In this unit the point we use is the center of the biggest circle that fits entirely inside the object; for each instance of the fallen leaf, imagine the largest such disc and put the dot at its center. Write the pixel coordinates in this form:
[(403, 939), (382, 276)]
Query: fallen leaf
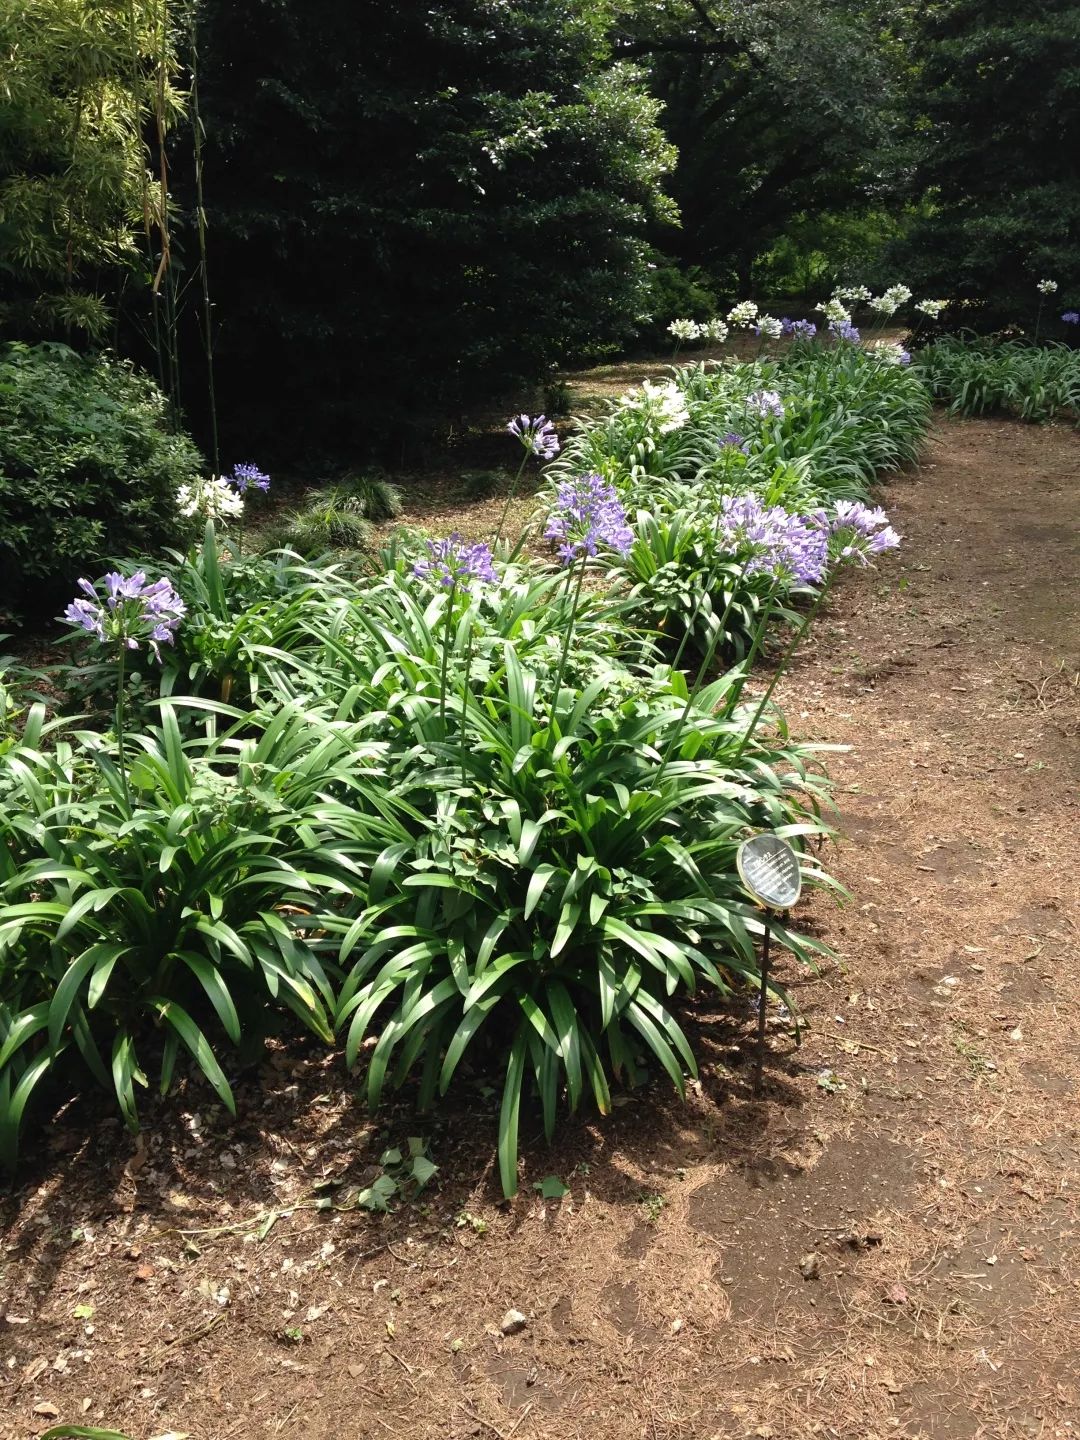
[(144, 1272), (45, 1408), (896, 1295)]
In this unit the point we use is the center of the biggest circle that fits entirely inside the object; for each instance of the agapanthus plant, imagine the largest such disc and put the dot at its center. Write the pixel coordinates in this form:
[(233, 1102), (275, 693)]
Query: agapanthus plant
[(734, 441), (766, 402), (844, 330), (1071, 317), (210, 499), (1047, 287), (663, 406), (453, 564), (768, 327), (715, 330), (685, 331), (772, 541), (889, 352), (587, 515), (743, 314), (852, 532), (835, 312), (537, 436), (798, 329), (133, 612), (852, 294), (245, 477)]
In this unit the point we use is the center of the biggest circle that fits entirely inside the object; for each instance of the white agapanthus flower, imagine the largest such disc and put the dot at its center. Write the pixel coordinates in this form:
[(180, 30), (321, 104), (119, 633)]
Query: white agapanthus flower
[(715, 329), (685, 329), (834, 312), (1047, 287), (889, 302), (851, 293), (744, 314), (666, 404), (889, 352), (933, 308), (210, 499), (769, 328)]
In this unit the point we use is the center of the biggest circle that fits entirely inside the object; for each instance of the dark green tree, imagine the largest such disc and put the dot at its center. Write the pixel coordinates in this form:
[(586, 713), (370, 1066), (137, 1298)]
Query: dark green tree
[(413, 204), (997, 151), (781, 112)]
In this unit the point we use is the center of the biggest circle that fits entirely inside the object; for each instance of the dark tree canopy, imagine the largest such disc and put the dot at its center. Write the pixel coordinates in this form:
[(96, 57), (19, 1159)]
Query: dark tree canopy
[(413, 203), (776, 109), (997, 134)]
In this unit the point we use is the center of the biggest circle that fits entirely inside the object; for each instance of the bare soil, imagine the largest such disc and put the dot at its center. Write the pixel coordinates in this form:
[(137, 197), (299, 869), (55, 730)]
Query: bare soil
[(885, 1244)]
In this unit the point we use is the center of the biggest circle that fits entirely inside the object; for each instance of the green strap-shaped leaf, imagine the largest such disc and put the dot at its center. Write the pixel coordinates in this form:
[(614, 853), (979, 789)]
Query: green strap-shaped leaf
[(510, 1111), (196, 1042)]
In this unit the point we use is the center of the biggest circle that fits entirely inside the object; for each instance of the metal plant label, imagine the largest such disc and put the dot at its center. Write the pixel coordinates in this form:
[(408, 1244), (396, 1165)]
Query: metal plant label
[(769, 868)]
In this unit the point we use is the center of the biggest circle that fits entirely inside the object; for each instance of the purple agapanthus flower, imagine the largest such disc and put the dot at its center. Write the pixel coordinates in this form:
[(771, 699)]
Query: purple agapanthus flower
[(1071, 317), (587, 514), (132, 610), (537, 435), (245, 477), (454, 563), (856, 531), (844, 330), (804, 329), (766, 402), (734, 441), (772, 541)]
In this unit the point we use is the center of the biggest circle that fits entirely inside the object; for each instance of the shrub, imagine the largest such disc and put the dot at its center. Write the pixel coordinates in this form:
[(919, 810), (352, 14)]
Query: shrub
[(89, 468)]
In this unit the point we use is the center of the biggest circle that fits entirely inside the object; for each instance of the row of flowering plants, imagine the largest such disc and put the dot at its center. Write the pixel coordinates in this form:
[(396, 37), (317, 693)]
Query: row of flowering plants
[(445, 811)]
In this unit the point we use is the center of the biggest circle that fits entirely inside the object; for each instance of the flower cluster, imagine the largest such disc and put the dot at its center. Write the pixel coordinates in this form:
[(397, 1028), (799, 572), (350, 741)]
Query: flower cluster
[(132, 610), (799, 329), (245, 477), (853, 294), (734, 441), (933, 308), (1071, 317), (586, 515), (744, 314), (768, 327), (890, 301), (213, 499), (454, 564), (856, 531), (773, 541), (666, 405), (685, 330), (1047, 287), (537, 435), (766, 402), (715, 330), (844, 330), (834, 312), (890, 352)]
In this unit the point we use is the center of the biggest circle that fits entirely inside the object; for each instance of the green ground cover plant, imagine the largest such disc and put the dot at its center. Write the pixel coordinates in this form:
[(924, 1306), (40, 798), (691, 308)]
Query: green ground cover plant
[(988, 377), (437, 804)]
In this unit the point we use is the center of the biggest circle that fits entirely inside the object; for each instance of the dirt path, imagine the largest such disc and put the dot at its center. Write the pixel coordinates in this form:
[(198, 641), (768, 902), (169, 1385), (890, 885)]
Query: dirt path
[(918, 1158)]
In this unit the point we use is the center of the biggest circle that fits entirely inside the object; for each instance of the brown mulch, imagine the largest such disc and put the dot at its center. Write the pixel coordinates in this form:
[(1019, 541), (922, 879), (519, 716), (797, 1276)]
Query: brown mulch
[(885, 1245)]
